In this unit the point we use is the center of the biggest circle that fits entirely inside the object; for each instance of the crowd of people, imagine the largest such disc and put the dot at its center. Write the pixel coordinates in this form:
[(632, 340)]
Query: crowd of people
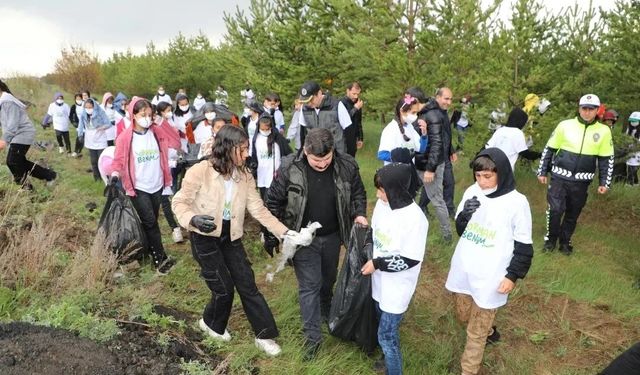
[(205, 166)]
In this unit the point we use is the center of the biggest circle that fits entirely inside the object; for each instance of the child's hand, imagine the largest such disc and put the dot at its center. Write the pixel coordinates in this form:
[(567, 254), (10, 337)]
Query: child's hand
[(506, 286), (368, 268)]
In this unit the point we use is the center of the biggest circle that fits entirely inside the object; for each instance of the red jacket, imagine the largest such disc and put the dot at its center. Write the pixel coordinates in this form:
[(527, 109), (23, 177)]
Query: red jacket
[(124, 164)]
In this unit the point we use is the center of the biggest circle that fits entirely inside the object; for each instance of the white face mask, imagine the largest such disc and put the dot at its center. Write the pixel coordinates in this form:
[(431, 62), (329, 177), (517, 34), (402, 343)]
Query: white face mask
[(410, 118), (89, 111), (184, 108), (199, 96), (79, 102), (266, 133), (634, 123), (210, 115), (60, 101), (489, 191), (109, 105), (160, 92), (127, 115), (144, 122), (168, 115)]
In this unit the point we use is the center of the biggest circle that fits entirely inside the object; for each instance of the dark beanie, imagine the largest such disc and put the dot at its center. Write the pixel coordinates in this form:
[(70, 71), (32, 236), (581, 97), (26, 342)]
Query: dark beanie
[(517, 118)]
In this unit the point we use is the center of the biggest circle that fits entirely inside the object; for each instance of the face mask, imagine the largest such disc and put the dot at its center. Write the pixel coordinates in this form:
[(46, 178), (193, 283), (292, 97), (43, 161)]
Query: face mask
[(60, 101), (168, 115), (210, 115), (79, 102), (634, 123), (489, 191), (145, 122), (109, 105), (411, 118), (266, 133), (199, 96), (89, 111), (160, 92), (184, 108), (123, 107), (127, 115)]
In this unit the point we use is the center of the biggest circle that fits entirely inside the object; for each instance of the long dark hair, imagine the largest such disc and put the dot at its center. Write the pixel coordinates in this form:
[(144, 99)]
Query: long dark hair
[(224, 147), (406, 102), (4, 87), (266, 118)]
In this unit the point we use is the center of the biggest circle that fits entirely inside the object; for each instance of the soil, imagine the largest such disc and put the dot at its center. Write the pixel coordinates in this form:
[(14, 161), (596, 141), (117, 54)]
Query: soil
[(30, 349)]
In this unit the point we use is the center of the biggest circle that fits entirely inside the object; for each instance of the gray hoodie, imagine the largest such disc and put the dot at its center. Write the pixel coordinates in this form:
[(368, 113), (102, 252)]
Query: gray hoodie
[(16, 125)]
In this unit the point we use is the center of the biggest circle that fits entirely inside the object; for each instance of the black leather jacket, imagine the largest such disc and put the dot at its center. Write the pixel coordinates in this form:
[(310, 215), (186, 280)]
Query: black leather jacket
[(439, 132)]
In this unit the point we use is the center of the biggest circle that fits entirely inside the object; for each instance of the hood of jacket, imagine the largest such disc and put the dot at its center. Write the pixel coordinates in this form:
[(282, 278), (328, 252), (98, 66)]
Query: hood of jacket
[(6, 97), (506, 182), (395, 179), (106, 97), (57, 95)]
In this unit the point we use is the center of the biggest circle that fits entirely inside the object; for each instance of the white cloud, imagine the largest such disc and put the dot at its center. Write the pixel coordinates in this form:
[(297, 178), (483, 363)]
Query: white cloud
[(29, 45)]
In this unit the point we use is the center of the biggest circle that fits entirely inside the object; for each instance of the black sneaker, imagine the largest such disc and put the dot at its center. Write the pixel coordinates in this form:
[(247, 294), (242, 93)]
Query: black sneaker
[(566, 249), (379, 366), (494, 337), (166, 266), (310, 350), (549, 246)]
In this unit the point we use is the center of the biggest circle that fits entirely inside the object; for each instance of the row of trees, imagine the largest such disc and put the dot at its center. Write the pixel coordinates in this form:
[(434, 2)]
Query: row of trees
[(388, 45)]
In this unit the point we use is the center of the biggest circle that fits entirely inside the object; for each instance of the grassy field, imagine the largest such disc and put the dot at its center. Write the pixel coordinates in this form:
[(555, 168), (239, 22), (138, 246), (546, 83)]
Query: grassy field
[(571, 315)]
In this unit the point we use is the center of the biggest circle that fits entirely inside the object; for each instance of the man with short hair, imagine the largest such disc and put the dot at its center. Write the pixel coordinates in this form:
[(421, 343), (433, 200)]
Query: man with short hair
[(322, 111), (319, 184), (576, 147), (440, 152), (353, 134)]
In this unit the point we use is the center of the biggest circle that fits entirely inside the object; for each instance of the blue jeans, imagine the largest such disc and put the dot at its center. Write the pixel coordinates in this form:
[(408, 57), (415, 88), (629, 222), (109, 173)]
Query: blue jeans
[(389, 340)]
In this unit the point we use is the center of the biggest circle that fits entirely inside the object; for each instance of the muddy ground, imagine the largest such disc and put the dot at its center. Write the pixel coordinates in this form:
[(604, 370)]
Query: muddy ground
[(27, 349)]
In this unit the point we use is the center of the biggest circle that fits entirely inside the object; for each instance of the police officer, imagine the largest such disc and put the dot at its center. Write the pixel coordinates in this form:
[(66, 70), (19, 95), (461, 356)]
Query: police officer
[(572, 153)]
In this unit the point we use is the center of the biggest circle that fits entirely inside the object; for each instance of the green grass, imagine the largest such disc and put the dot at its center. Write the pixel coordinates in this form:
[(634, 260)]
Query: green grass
[(597, 279)]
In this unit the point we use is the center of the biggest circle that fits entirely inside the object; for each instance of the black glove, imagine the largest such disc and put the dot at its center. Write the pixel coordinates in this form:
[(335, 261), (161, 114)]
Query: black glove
[(81, 139), (271, 243), (204, 223), (113, 180), (470, 206), (401, 155)]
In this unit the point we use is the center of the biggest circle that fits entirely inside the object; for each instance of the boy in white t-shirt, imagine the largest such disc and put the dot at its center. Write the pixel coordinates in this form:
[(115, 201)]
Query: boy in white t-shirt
[(399, 231), (511, 140), (494, 250)]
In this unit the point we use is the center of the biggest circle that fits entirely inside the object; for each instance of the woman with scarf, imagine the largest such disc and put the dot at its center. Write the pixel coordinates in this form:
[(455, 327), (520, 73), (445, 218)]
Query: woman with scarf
[(141, 162), (18, 134), (60, 113), (92, 132)]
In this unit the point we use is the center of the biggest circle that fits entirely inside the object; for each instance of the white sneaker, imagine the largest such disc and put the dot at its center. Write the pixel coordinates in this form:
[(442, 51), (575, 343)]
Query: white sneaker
[(226, 337), (74, 155), (269, 346), (177, 235), (60, 150)]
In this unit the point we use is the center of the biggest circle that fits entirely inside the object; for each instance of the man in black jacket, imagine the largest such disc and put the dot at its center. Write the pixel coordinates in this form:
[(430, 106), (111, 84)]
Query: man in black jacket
[(440, 152), (353, 134), (322, 111), (319, 184)]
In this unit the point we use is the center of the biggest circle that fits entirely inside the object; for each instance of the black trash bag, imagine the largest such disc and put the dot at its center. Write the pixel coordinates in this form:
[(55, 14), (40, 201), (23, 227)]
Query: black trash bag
[(123, 232), (353, 314)]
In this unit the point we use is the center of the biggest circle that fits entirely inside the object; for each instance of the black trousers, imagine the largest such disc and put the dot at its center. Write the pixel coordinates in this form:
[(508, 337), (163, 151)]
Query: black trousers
[(168, 212), (79, 145), (632, 175), (350, 139), (95, 155), (20, 167), (224, 266), (63, 140), (147, 206), (565, 202)]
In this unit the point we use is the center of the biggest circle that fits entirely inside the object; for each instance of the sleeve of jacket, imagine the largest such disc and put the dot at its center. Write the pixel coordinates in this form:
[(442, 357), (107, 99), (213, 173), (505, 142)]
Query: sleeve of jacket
[(606, 156), (182, 201), (358, 193), (9, 115), (276, 200), (521, 261), (257, 209), (434, 131)]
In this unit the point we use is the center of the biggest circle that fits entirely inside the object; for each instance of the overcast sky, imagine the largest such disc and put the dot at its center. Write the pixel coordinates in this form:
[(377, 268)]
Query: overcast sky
[(34, 31)]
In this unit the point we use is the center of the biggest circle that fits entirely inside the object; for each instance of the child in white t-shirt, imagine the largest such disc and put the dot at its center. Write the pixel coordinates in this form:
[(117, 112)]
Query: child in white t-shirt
[(511, 140), (494, 250), (399, 231)]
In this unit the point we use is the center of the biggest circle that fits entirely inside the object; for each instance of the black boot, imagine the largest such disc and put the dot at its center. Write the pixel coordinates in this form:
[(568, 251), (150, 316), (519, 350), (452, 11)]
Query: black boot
[(566, 249), (494, 337), (549, 246), (162, 263)]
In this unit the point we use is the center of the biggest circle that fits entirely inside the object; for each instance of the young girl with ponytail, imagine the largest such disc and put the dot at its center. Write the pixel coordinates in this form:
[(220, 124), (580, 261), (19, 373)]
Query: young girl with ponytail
[(400, 134)]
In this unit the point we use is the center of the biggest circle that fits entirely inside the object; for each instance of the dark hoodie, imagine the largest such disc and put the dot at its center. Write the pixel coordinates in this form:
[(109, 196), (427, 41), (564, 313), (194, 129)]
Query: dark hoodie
[(522, 253), (396, 180), (517, 118)]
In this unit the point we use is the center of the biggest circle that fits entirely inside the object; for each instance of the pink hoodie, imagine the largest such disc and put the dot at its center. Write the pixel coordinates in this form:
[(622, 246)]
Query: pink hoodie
[(124, 164)]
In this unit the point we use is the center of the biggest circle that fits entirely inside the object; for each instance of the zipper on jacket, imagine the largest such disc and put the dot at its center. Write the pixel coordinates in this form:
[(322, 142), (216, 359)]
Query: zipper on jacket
[(575, 167)]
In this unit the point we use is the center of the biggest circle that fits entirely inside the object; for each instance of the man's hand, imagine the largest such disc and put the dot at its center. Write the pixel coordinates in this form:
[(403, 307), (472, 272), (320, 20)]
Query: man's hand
[(506, 286), (359, 104), (602, 190), (368, 268), (423, 126), (454, 157), (3, 144), (359, 144), (428, 177), (361, 220), (542, 179)]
